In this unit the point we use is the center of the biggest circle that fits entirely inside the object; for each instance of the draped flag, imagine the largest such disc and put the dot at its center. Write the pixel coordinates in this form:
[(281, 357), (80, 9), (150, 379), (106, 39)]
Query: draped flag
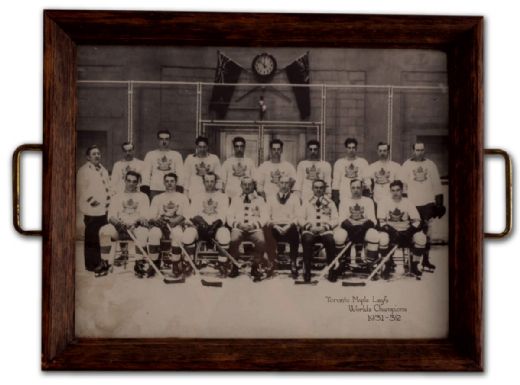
[(227, 72), (298, 73)]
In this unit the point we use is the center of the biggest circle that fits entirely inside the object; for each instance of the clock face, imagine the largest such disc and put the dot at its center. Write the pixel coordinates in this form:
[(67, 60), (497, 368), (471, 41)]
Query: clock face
[(264, 65)]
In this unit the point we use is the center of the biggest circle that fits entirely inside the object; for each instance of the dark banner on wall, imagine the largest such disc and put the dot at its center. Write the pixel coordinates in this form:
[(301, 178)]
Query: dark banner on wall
[(298, 73), (227, 72)]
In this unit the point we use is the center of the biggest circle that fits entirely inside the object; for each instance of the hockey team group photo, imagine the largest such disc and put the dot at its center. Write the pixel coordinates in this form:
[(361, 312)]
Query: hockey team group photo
[(281, 170)]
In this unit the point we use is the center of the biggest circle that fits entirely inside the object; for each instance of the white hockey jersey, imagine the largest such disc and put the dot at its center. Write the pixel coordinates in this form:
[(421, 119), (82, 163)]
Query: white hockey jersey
[(129, 207), (121, 167), (307, 172), (195, 168), (169, 204), (233, 170), (383, 173), (357, 211), (157, 164), (345, 170), (422, 181), (210, 206), (399, 214), (268, 175)]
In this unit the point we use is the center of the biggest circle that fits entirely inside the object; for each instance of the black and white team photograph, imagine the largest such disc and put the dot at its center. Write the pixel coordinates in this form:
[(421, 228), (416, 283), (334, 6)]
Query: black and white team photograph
[(243, 192)]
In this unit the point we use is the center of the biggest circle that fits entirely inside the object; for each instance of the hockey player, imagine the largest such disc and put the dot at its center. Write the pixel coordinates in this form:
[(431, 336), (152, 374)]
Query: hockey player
[(382, 172), (269, 173), (236, 167), (311, 169), (121, 167), (399, 218), (160, 162), (347, 168), (283, 211), (424, 190), (128, 211), (93, 198), (356, 217), (208, 216), (247, 216), (199, 164), (167, 214), (318, 218)]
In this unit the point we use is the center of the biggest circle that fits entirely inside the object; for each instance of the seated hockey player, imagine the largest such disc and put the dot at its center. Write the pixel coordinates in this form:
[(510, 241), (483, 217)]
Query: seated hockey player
[(247, 216), (399, 218), (167, 215), (318, 218), (128, 211), (283, 210), (207, 216), (356, 217)]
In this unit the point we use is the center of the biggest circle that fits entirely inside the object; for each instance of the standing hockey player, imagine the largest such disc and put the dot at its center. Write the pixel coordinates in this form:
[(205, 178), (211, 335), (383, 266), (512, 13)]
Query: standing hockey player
[(208, 215), (167, 214), (382, 172), (121, 167), (269, 173), (93, 187), (283, 211), (128, 211), (424, 190), (318, 218), (199, 164), (356, 217), (247, 217), (347, 168), (235, 168), (310, 169), (160, 162), (399, 218)]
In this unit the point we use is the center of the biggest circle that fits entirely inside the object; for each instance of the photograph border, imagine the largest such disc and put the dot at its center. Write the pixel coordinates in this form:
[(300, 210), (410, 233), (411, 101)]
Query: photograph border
[(460, 37)]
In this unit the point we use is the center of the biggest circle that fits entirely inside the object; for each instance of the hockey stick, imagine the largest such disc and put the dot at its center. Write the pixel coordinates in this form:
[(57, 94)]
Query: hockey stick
[(374, 272), (326, 269), (232, 259), (192, 264), (147, 257)]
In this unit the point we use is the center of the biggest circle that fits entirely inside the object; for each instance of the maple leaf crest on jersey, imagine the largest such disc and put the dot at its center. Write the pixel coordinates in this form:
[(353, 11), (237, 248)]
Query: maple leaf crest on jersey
[(164, 164), (312, 172), (420, 174), (275, 176), (209, 206), (357, 212), (382, 176), (202, 168), (239, 169), (397, 216), (351, 171), (170, 209), (130, 206)]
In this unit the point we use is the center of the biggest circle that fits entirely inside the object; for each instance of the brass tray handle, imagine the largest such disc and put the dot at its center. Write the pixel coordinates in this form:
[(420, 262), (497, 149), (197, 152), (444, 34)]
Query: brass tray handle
[(16, 187), (509, 192)]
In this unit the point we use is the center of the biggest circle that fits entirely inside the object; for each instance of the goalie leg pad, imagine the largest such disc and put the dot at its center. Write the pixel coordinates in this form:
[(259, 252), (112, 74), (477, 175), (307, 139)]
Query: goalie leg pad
[(223, 237), (340, 236), (188, 237)]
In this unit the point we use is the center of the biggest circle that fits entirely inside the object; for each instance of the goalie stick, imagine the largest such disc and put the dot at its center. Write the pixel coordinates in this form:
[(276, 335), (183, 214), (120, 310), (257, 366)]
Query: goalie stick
[(192, 264), (374, 272), (165, 279), (197, 271), (326, 269)]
